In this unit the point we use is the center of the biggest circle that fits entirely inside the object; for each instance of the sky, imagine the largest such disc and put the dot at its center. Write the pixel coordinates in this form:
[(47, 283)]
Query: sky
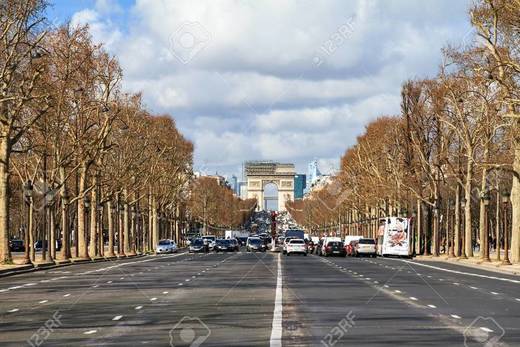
[(289, 81)]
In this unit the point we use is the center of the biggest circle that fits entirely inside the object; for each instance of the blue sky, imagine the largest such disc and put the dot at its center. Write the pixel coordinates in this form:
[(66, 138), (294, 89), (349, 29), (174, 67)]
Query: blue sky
[(285, 80)]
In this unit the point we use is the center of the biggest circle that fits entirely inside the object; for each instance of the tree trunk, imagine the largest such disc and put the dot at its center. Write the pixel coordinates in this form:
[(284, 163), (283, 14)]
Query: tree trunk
[(515, 201), (483, 210), (52, 234), (126, 231), (30, 228), (456, 221), (468, 239), (93, 247), (4, 199), (82, 239), (110, 220), (155, 227), (65, 243)]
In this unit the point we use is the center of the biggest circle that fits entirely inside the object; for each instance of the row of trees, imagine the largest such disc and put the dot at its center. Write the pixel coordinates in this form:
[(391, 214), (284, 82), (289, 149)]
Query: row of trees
[(214, 206), (82, 163), (451, 158)]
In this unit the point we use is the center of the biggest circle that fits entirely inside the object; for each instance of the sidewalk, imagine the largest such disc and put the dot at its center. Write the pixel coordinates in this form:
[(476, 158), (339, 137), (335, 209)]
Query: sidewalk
[(18, 267), (475, 262)]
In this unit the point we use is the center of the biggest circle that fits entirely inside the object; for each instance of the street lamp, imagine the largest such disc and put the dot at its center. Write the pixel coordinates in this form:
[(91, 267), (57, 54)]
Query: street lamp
[(485, 242), (505, 202), (415, 230), (27, 193), (436, 240)]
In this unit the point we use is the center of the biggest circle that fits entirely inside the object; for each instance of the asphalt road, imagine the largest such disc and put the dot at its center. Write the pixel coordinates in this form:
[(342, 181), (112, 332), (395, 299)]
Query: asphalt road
[(231, 299)]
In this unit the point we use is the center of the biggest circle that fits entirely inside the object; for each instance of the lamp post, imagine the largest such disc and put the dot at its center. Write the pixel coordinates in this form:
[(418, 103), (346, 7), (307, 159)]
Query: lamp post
[(101, 239), (463, 233), (27, 193), (485, 242), (505, 202)]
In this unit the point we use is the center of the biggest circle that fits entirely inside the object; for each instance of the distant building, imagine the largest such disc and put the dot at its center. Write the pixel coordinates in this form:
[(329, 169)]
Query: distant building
[(300, 183), (234, 185), (242, 190), (313, 173)]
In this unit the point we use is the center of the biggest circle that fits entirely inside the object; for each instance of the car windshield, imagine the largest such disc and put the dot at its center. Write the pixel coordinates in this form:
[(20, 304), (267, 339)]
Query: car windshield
[(222, 242), (297, 242), (255, 241), (367, 242), (164, 243), (17, 242)]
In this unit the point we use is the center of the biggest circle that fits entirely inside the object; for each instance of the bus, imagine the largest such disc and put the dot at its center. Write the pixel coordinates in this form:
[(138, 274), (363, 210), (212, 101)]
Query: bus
[(393, 237)]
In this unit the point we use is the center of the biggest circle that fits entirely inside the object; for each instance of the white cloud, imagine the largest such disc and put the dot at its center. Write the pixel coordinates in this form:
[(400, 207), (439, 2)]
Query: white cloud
[(253, 91)]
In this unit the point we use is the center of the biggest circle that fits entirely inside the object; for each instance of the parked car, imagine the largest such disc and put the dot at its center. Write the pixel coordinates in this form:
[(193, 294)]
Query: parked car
[(16, 246), (366, 247), (197, 246), (242, 240), (255, 244), (175, 248), (334, 248), (164, 246), (296, 246), (38, 245), (350, 248)]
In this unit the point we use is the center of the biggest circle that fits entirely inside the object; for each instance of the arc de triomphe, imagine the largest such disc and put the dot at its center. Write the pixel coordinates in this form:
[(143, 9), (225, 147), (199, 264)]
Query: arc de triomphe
[(261, 173)]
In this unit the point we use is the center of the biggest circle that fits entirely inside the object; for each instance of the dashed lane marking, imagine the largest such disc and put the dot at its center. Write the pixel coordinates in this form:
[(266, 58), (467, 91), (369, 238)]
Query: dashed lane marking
[(117, 317)]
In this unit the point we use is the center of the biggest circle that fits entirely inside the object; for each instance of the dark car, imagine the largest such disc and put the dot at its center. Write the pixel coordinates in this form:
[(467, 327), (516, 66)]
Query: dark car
[(16, 246), (38, 245), (255, 244), (197, 246), (223, 245), (335, 248)]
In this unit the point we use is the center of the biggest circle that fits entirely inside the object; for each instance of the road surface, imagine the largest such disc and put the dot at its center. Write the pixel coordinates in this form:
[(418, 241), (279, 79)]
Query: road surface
[(260, 299)]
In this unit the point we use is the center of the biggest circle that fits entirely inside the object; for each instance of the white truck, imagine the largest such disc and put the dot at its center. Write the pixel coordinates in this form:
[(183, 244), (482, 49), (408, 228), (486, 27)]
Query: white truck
[(394, 237), (232, 234)]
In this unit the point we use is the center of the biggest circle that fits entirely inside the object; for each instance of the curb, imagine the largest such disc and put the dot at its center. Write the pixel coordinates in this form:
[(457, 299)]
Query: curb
[(492, 268), (61, 263)]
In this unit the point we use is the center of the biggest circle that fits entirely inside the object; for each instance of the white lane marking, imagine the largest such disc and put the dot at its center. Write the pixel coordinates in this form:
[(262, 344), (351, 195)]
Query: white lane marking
[(65, 295), (517, 299), (13, 310), (487, 330), (455, 316), (90, 332), (473, 287), (153, 299), (494, 293), (122, 278), (117, 317), (30, 284), (187, 279), (397, 291), (386, 286), (180, 284), (138, 307), (432, 306), (458, 272), (109, 282), (413, 298), (456, 283), (43, 301), (165, 292), (276, 331)]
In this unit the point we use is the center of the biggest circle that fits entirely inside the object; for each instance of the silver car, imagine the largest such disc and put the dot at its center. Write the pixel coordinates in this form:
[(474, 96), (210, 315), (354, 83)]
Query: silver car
[(165, 246)]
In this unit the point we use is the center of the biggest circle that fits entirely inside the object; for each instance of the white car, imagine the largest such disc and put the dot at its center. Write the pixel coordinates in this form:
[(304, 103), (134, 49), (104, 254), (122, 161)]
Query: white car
[(296, 246), (166, 246), (210, 241), (366, 247)]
